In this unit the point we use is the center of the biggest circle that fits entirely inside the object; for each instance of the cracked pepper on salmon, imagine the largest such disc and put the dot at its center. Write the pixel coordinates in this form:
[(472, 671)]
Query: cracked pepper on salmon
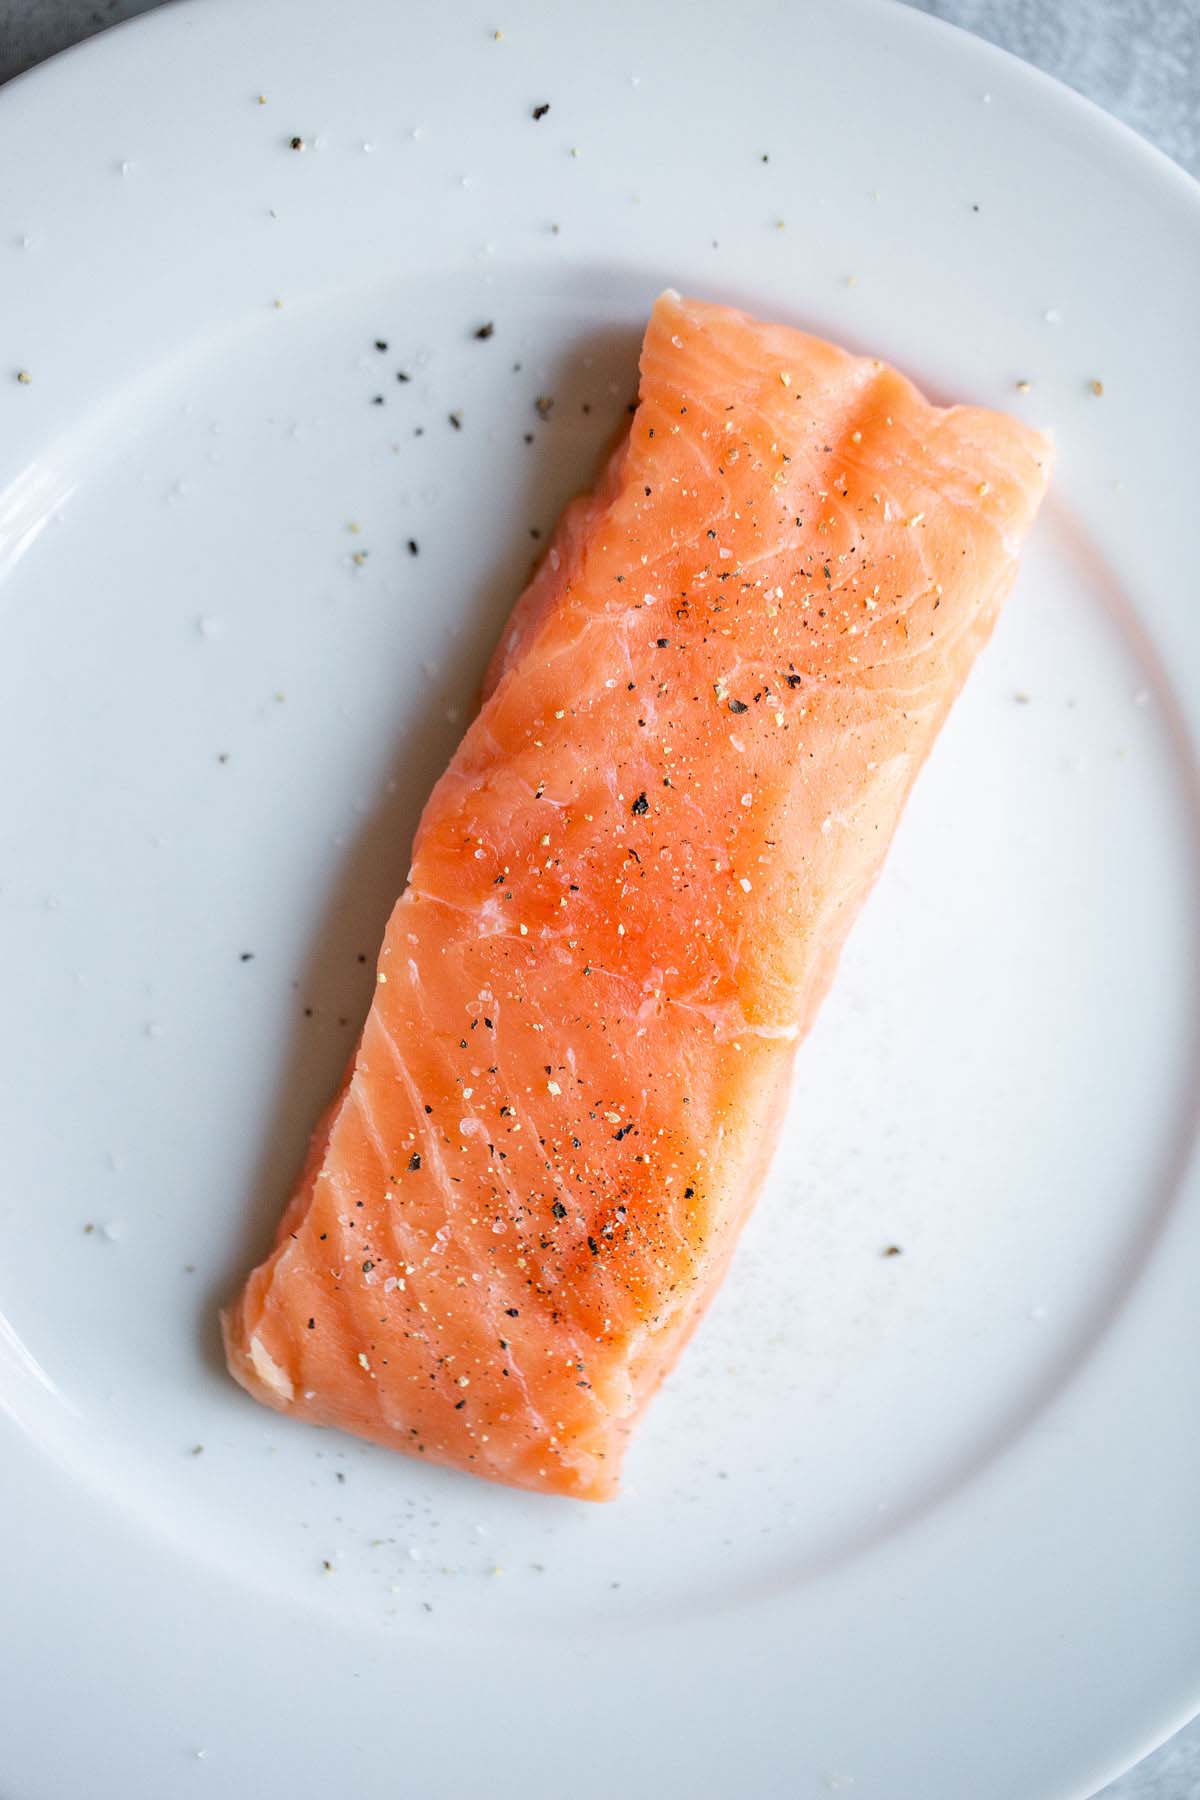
[(627, 898)]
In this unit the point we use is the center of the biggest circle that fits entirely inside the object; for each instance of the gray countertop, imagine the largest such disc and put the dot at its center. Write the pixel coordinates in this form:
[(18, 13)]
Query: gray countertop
[(1140, 59)]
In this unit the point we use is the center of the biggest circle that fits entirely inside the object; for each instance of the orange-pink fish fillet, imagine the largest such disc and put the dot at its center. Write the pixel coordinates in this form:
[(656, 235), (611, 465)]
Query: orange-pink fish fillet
[(628, 895)]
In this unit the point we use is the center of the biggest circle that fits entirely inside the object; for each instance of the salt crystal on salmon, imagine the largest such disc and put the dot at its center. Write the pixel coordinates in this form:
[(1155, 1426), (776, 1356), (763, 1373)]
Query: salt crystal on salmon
[(628, 895)]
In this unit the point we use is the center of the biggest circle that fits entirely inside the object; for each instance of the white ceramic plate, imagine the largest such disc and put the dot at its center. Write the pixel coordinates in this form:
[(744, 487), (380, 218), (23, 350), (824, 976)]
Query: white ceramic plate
[(921, 1525)]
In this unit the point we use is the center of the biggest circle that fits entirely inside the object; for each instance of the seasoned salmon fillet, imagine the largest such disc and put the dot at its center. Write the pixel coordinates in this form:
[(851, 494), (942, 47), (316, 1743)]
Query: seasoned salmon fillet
[(627, 898)]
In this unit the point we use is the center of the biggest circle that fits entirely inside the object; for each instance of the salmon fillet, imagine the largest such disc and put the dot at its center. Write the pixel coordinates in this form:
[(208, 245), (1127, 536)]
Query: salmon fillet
[(627, 897)]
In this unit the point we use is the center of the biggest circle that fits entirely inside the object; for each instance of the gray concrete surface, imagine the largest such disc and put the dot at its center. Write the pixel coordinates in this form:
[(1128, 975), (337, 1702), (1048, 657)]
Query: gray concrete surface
[(1140, 59)]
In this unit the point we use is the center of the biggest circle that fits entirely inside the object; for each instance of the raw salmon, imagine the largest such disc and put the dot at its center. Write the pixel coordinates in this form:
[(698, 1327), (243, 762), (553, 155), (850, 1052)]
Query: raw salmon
[(627, 896)]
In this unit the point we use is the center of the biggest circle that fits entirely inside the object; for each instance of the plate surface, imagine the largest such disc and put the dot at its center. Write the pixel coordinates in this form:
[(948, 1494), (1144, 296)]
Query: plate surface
[(896, 1522)]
